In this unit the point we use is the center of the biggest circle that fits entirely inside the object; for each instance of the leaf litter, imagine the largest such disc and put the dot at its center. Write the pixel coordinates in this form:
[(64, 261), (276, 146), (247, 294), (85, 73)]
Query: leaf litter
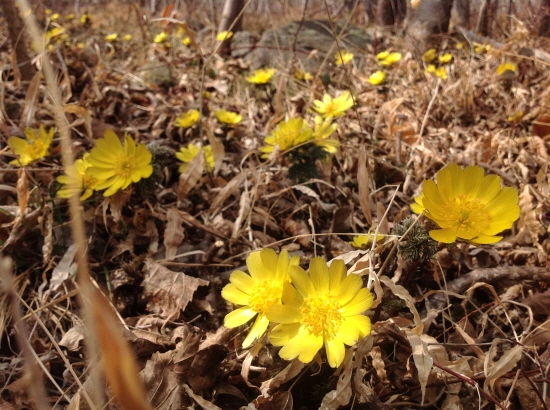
[(463, 329)]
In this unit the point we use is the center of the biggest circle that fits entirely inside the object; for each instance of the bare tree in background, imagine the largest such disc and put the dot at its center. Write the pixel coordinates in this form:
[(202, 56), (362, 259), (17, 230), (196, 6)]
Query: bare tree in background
[(544, 28), (230, 13), (430, 18), (390, 12), (18, 37)]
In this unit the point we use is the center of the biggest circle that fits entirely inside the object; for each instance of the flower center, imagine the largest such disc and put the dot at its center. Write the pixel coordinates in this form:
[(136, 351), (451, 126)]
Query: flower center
[(331, 108), (265, 294), (321, 315), (125, 166), (34, 149), (467, 213)]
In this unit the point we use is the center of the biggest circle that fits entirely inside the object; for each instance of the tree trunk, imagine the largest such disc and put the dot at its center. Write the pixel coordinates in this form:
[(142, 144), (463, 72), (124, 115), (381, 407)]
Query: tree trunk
[(486, 17), (390, 12), (430, 18), (462, 13), (544, 28), (18, 37), (230, 13)]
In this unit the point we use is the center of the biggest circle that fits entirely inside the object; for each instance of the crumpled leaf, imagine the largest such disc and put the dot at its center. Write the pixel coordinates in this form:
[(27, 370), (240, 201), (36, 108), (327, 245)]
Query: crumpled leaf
[(494, 370), (422, 359), (167, 292)]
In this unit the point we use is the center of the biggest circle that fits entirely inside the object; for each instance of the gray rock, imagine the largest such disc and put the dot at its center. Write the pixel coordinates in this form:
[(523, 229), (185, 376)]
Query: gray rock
[(242, 43), (157, 73), (314, 41)]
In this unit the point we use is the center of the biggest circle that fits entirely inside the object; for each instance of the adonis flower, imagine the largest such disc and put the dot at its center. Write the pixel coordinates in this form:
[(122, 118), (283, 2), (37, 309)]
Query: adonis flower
[(322, 131), (429, 55), (288, 134), (336, 107), (118, 165), (261, 76), (377, 78), (362, 241), (161, 37), (343, 57), (76, 181), (187, 119), (323, 307), (228, 117), (467, 205), (501, 69), (36, 145), (257, 290), (111, 37), (387, 59), (224, 35), (187, 154)]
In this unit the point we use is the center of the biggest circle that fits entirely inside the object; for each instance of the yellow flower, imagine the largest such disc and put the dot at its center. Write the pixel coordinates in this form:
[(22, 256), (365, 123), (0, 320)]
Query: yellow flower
[(383, 55), (48, 12), (224, 35), (261, 76), (257, 290), (228, 117), (480, 48), (343, 57), (362, 241), (334, 107), (187, 119), (287, 134), (186, 41), (516, 118), (506, 67), (429, 55), (459, 46), (54, 32), (161, 37), (76, 181), (377, 78), (85, 18), (187, 154), (117, 165), (54, 17), (127, 37), (324, 129), (36, 145), (467, 205), (445, 58), (111, 37), (323, 307), (302, 75), (441, 73), (69, 17), (390, 59)]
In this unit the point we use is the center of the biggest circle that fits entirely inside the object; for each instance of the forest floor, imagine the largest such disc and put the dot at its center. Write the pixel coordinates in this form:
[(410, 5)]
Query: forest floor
[(455, 325)]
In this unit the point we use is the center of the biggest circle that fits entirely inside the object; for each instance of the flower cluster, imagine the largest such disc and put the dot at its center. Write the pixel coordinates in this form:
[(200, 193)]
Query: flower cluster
[(296, 131), (467, 205), (386, 58), (436, 64), (261, 76), (309, 310)]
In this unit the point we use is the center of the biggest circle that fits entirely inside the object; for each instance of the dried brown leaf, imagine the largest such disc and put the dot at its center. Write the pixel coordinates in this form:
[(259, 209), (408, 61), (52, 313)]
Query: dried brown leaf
[(119, 365), (288, 373), (22, 191), (363, 180), (298, 229), (494, 370), (29, 108), (167, 292), (341, 396), (422, 358), (226, 191), (174, 232), (205, 404), (281, 400), (529, 227), (192, 174)]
